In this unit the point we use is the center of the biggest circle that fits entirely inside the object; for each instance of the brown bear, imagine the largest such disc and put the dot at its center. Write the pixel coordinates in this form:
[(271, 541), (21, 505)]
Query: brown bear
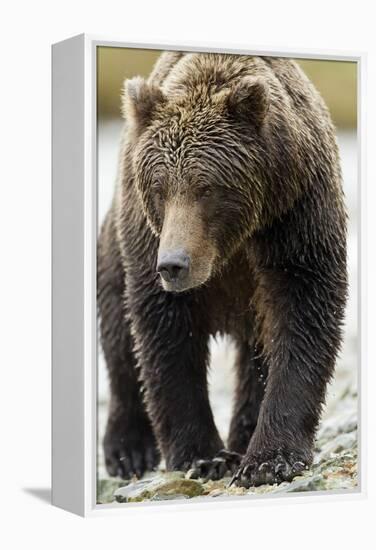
[(228, 218)]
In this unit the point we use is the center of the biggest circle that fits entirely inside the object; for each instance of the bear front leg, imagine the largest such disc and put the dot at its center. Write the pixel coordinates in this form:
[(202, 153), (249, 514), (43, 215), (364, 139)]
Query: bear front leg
[(171, 334), (300, 314), (129, 442), (251, 375)]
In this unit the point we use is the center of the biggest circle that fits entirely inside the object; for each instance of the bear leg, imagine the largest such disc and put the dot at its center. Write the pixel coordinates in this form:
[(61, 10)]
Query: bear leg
[(129, 443), (302, 312), (251, 375), (171, 334)]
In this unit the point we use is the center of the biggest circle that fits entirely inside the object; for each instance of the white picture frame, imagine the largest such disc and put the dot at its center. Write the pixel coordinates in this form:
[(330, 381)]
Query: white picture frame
[(74, 233)]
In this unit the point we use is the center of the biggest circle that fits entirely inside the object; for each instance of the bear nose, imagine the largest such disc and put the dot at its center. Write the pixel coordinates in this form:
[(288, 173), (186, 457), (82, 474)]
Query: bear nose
[(173, 265)]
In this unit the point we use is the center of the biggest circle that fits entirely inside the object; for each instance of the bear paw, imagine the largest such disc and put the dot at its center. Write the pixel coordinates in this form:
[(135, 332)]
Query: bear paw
[(130, 454), (274, 467), (223, 463)]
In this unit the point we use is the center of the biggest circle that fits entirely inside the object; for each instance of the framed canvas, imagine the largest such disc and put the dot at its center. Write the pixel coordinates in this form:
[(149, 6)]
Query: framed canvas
[(207, 275)]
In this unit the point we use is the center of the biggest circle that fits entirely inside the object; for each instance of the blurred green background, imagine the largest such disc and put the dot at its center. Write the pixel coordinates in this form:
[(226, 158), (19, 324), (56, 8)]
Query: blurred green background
[(336, 81)]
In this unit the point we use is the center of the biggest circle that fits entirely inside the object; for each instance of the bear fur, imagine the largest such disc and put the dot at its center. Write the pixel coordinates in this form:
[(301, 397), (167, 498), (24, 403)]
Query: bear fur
[(228, 218)]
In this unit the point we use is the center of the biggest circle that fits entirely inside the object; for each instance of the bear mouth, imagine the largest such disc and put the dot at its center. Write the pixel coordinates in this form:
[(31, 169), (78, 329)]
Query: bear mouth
[(175, 286), (182, 283), (178, 284)]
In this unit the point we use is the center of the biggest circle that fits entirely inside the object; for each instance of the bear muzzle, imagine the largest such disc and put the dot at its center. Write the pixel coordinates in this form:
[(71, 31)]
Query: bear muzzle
[(173, 267)]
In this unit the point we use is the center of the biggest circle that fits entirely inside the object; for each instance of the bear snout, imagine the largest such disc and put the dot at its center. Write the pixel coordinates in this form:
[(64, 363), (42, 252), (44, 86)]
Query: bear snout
[(173, 266)]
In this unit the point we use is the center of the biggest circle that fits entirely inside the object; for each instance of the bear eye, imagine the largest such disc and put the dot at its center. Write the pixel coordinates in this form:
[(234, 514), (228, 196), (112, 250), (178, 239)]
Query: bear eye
[(205, 192), (157, 189)]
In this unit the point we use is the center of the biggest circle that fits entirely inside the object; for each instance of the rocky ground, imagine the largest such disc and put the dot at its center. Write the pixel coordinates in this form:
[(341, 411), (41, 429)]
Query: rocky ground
[(335, 463), (335, 467)]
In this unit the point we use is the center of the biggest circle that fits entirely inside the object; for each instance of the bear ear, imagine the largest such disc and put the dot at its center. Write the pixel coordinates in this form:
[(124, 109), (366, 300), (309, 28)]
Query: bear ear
[(140, 100), (249, 100)]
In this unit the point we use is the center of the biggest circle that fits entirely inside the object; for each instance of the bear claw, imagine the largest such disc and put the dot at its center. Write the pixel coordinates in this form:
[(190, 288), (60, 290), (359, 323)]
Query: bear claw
[(127, 464), (126, 457), (254, 472), (215, 468)]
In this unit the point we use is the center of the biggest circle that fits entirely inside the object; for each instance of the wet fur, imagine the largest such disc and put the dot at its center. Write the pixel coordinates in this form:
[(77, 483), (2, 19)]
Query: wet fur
[(278, 285)]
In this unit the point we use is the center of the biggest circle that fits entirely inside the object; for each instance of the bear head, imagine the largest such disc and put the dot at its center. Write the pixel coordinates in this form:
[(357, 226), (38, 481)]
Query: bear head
[(198, 163)]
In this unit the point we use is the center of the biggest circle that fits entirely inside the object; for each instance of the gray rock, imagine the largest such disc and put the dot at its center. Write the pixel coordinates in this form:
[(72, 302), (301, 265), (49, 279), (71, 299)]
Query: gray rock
[(162, 487), (171, 496), (106, 489), (340, 423), (342, 442), (309, 483)]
